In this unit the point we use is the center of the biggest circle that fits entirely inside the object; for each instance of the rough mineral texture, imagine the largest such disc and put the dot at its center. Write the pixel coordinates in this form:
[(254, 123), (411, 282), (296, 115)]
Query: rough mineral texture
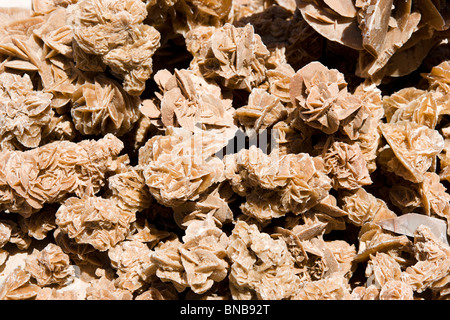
[(114, 32), (275, 185), (225, 150), (24, 112), (48, 174), (102, 106), (50, 266)]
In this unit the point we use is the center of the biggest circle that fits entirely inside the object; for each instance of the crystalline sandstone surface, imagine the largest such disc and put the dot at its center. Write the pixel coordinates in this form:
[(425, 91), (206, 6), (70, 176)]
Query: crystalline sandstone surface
[(225, 150)]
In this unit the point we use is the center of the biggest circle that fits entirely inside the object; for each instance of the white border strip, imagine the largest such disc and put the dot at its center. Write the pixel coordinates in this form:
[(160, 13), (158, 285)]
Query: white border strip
[(15, 4)]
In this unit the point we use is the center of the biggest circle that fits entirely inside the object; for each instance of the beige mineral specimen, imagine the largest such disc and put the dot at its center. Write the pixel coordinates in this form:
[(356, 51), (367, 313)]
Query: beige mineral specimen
[(263, 268), (276, 184), (415, 147), (190, 102), (225, 150), (346, 166), (234, 57), (197, 262), (179, 166), (132, 261), (114, 32), (102, 106), (18, 287), (322, 97), (93, 220), (32, 178), (23, 112), (391, 38), (50, 266)]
